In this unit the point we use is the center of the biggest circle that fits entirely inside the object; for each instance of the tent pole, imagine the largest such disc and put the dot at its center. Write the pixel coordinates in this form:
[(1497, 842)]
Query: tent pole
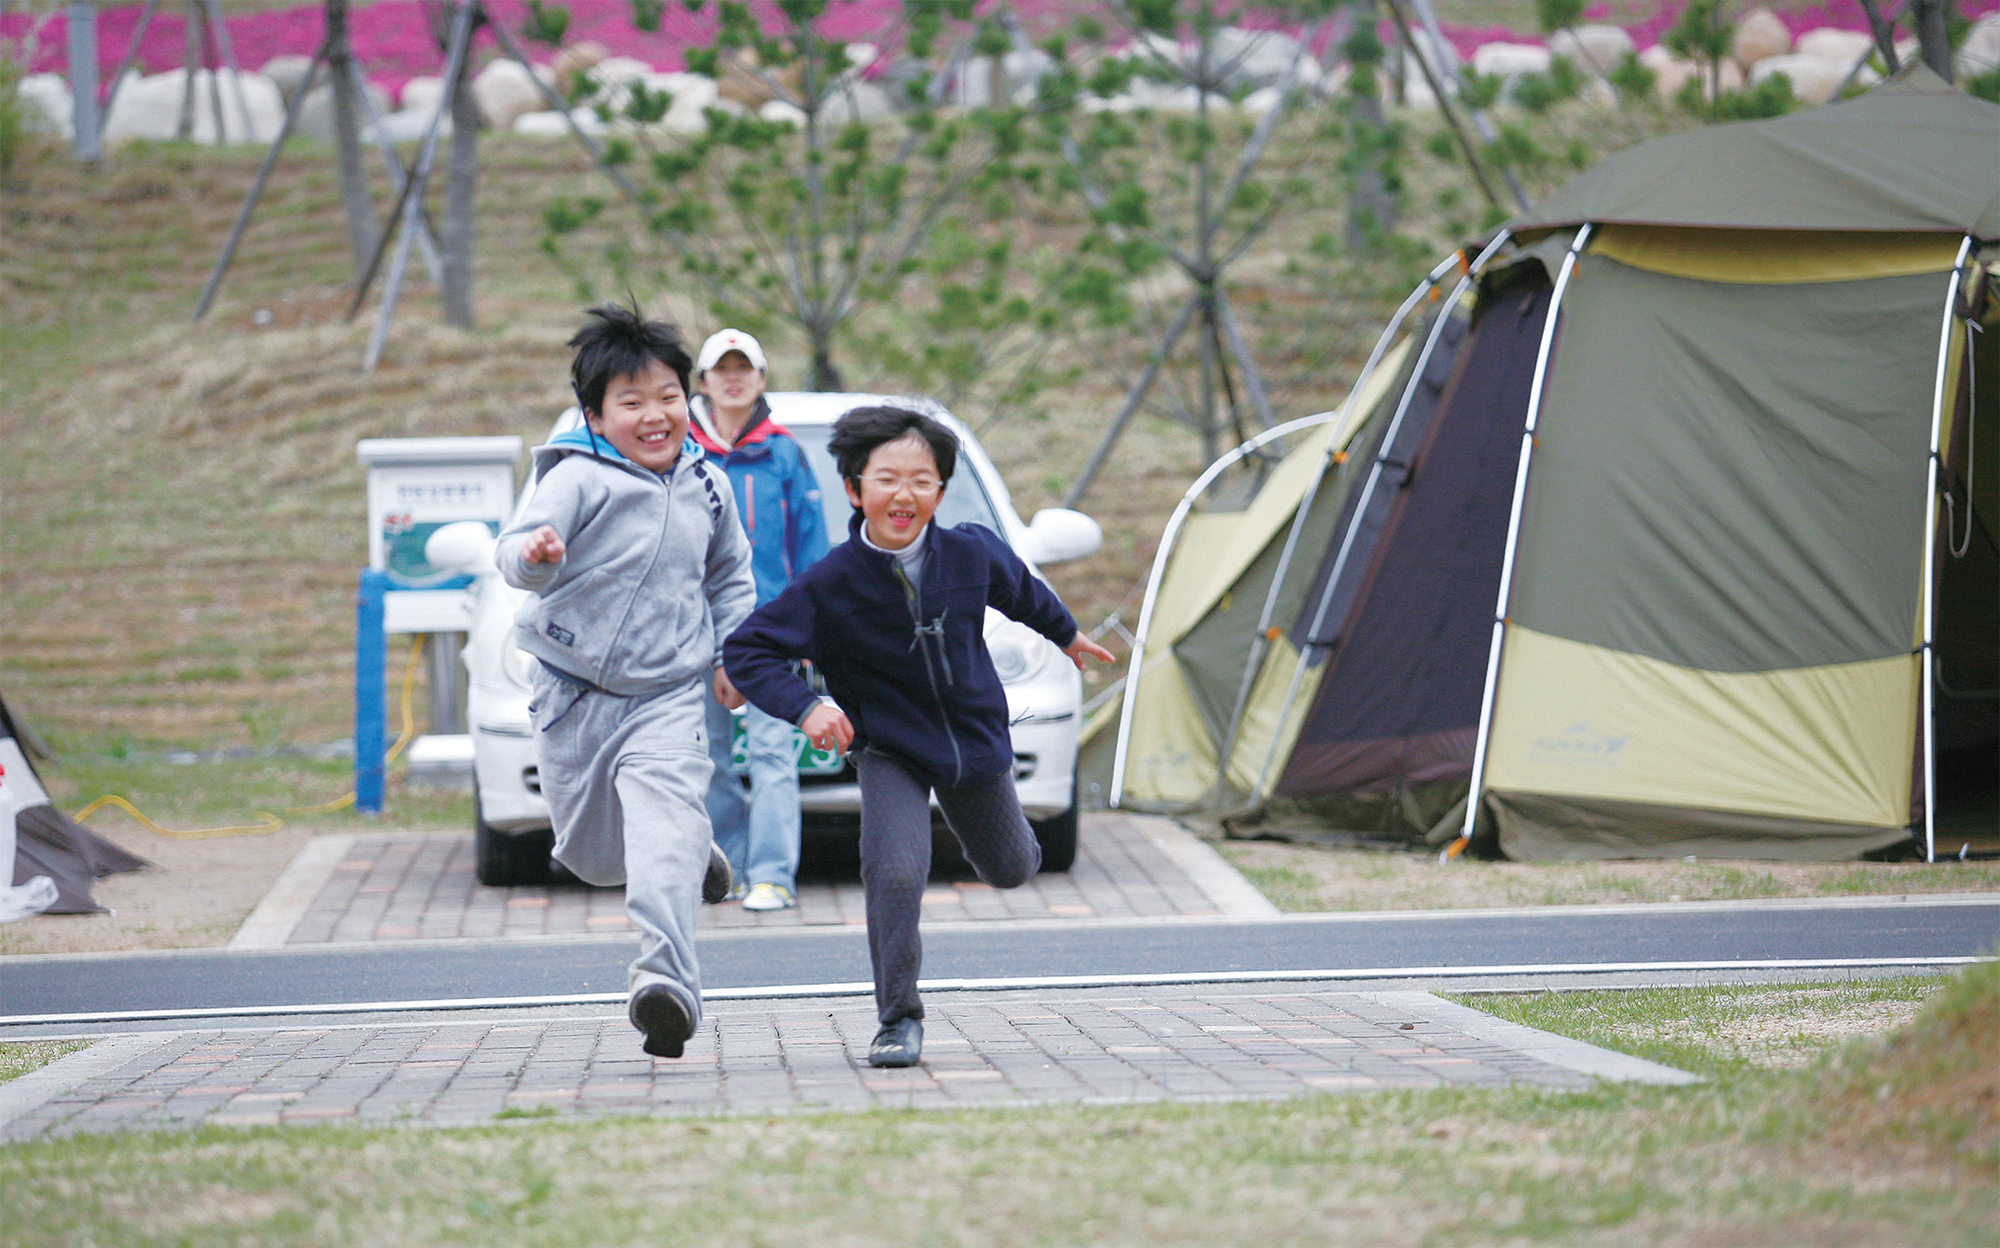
[(1470, 274), (1927, 611), (1533, 418), (1136, 665), (1172, 532)]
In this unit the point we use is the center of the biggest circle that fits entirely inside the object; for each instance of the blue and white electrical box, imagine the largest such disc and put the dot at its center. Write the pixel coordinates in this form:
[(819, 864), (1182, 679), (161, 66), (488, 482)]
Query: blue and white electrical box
[(416, 486)]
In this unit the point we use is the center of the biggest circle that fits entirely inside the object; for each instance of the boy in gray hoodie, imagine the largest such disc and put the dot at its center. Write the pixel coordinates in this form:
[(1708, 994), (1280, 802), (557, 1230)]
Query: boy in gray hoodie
[(639, 568)]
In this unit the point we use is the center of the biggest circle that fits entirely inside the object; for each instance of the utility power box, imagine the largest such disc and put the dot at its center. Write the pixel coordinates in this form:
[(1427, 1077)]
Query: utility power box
[(416, 486)]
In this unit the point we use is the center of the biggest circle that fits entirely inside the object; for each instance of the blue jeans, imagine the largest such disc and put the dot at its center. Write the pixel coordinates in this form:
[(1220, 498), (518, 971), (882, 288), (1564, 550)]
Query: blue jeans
[(759, 830)]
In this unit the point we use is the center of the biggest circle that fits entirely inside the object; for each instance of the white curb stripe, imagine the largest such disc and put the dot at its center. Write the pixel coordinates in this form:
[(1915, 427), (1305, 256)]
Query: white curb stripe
[(1026, 982)]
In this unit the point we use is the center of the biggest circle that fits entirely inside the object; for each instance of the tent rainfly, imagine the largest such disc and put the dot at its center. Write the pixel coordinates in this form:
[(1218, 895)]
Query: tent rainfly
[(1662, 526), (53, 859)]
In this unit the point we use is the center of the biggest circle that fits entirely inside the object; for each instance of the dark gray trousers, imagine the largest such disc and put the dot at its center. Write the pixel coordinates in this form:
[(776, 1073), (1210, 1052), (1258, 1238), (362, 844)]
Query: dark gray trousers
[(896, 862)]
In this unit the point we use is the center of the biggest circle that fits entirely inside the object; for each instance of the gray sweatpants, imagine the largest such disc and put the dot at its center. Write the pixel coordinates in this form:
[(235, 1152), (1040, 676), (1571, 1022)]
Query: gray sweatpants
[(896, 862), (626, 779)]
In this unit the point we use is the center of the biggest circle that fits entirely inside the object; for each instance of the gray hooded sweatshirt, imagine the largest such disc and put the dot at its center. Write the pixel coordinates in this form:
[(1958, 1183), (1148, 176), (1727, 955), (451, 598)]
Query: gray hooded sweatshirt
[(656, 571)]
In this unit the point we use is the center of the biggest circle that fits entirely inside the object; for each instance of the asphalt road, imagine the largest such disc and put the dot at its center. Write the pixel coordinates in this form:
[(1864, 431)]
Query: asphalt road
[(1553, 940)]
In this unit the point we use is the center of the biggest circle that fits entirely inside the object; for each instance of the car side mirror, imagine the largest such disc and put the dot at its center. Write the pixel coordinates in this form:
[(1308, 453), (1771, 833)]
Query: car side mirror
[(1058, 534), (462, 546)]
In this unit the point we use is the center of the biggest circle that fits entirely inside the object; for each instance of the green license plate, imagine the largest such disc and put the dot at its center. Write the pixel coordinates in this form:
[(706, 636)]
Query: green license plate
[(813, 761)]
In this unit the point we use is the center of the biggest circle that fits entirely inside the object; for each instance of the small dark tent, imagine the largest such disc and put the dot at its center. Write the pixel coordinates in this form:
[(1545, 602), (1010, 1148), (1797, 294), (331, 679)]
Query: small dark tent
[(47, 843), (1681, 543)]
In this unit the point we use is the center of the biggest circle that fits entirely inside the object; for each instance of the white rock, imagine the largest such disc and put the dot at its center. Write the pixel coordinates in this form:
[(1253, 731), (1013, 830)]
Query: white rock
[(574, 59), (315, 120), (505, 91), (150, 107), (408, 125), (778, 110), (974, 87), (1980, 53), (289, 70), (1165, 98), (48, 105), (1813, 79), (1441, 57), (1760, 34), (422, 93), (1672, 73), (1510, 60), (549, 124), (692, 93), (861, 101), (1830, 44), (1261, 101), (1120, 103), (1418, 96), (615, 72), (1259, 58), (1595, 49)]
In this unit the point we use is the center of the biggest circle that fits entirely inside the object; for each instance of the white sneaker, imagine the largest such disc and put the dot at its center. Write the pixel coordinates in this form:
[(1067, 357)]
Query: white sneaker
[(769, 897)]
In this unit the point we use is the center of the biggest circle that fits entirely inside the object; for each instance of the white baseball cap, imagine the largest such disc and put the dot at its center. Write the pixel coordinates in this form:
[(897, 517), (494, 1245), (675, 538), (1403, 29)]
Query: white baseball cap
[(722, 342)]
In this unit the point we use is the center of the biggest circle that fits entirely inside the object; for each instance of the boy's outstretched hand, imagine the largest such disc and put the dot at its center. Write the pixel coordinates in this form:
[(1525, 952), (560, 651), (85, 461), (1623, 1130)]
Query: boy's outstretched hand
[(1082, 645), (828, 727), (544, 545)]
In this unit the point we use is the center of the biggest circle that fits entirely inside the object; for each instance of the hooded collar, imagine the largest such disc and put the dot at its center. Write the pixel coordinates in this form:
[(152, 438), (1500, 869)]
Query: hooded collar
[(760, 426), (582, 440)]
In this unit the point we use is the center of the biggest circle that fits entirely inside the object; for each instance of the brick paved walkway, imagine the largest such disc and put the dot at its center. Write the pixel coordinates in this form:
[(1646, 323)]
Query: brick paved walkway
[(1049, 1048), (409, 886)]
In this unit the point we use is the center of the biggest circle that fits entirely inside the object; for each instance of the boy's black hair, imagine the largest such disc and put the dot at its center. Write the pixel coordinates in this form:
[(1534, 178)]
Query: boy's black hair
[(620, 342), (856, 435)]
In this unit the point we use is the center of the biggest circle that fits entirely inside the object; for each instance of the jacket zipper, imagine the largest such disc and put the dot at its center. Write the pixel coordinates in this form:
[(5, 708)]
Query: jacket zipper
[(935, 631), (632, 599)]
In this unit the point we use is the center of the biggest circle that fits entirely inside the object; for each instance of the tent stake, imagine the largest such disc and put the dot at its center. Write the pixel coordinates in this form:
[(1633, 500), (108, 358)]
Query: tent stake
[(1488, 696)]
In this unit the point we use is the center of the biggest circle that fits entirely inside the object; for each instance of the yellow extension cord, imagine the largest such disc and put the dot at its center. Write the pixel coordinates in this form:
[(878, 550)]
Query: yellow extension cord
[(271, 822)]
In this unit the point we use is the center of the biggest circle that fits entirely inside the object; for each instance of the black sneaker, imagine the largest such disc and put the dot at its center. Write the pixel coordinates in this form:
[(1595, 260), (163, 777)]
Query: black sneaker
[(658, 1012), (715, 885), (900, 1043)]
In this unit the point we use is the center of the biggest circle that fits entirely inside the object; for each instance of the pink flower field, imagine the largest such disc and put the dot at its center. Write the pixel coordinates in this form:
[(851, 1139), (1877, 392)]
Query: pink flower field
[(394, 41)]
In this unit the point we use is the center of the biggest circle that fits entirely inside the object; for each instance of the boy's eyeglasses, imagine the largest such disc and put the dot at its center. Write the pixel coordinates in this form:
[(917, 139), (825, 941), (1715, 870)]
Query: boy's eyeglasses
[(922, 487)]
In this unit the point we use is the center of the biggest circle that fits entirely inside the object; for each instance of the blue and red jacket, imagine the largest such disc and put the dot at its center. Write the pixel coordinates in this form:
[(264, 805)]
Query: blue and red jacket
[(777, 498), (909, 666)]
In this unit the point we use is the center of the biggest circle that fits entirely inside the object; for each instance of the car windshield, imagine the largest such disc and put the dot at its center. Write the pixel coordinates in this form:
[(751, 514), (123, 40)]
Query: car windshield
[(964, 499)]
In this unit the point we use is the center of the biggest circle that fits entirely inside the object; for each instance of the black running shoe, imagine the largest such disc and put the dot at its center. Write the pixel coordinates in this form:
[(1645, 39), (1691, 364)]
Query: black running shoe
[(716, 884), (659, 1013), (900, 1043)]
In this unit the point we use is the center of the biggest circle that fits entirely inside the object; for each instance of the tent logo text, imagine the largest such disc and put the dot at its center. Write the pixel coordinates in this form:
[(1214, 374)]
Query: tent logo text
[(1581, 743)]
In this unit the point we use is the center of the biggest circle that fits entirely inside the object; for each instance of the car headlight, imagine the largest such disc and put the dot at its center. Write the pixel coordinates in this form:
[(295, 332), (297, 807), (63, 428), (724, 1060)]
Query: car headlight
[(1019, 653), (520, 665)]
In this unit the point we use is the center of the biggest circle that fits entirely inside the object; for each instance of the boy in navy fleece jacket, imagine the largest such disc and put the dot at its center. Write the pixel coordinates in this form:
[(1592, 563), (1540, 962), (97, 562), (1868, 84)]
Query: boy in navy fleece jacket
[(894, 621)]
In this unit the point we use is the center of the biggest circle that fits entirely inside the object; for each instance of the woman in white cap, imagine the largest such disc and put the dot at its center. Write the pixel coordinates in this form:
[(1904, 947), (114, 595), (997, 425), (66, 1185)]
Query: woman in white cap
[(778, 500)]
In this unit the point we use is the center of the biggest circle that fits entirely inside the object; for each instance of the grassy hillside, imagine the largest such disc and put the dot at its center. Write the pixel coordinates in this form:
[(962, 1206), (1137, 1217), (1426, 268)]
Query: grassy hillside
[(181, 505)]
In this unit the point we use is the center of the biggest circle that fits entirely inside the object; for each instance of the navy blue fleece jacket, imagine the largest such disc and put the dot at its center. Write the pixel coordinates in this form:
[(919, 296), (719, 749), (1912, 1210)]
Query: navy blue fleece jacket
[(909, 667)]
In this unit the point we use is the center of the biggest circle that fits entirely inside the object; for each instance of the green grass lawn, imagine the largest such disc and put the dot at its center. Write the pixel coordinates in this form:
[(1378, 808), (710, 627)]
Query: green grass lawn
[(1859, 1141)]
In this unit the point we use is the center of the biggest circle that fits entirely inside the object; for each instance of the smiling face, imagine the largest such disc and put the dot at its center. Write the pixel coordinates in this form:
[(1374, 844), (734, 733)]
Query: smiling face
[(733, 385), (898, 492), (645, 416)]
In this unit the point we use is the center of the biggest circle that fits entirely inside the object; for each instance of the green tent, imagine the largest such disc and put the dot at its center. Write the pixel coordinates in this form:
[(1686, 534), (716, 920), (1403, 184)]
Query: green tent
[(1740, 600)]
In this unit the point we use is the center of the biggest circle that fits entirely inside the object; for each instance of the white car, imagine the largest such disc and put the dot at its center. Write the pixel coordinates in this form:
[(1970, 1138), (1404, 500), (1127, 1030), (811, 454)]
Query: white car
[(1044, 690)]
